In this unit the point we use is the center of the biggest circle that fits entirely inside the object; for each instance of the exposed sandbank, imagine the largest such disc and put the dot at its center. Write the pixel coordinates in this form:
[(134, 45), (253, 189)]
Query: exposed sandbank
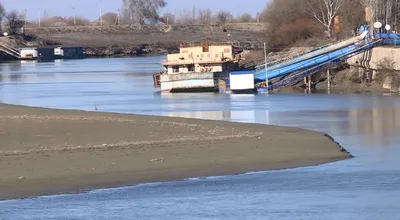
[(46, 151)]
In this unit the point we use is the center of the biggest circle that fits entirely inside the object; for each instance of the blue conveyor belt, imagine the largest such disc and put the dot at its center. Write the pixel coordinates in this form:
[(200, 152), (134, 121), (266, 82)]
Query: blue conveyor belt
[(260, 74), (305, 56), (322, 66), (311, 62)]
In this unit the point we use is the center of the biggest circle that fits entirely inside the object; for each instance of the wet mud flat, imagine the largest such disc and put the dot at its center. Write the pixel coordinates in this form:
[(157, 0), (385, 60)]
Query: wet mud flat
[(47, 151)]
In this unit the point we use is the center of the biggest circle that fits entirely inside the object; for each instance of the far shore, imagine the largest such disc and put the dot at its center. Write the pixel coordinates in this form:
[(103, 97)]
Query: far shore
[(47, 151)]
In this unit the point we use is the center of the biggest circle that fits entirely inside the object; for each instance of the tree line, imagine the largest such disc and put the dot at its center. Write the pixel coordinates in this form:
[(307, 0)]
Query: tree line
[(296, 20), (12, 19), (132, 12), (289, 20), (135, 11)]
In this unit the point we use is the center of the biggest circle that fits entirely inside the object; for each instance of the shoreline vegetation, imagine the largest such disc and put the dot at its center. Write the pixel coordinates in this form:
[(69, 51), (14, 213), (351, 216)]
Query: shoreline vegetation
[(47, 151), (135, 41)]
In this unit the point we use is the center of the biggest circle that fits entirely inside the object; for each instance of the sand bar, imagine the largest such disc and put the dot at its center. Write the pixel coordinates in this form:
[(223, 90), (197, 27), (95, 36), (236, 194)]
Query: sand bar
[(46, 151)]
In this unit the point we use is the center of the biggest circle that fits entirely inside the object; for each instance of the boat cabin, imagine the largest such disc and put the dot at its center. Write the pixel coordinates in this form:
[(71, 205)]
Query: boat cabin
[(43, 53), (69, 52), (201, 58)]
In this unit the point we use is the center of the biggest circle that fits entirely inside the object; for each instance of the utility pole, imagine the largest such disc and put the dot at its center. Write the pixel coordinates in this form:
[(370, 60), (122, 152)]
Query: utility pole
[(26, 17), (328, 73), (266, 66), (73, 14), (101, 14), (118, 16), (39, 17)]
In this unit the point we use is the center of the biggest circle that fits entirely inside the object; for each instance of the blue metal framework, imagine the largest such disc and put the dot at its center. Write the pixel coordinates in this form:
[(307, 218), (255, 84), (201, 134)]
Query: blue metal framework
[(308, 64), (322, 66)]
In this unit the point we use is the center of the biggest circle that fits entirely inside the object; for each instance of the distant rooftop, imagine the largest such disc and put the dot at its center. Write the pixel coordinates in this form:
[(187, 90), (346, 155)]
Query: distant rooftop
[(199, 44), (49, 46), (154, 21), (37, 47)]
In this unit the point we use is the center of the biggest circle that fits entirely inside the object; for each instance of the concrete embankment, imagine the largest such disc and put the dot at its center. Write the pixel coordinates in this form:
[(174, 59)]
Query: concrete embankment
[(380, 65), (45, 151), (374, 71)]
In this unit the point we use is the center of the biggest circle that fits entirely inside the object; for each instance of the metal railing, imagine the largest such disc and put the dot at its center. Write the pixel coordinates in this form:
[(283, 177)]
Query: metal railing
[(9, 50), (185, 76)]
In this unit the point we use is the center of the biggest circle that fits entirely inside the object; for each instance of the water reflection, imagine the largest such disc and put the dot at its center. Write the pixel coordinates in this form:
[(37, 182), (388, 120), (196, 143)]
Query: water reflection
[(261, 117), (372, 127), (10, 72), (378, 125)]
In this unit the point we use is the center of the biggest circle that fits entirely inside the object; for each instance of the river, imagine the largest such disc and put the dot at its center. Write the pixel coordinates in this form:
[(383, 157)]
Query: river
[(366, 187)]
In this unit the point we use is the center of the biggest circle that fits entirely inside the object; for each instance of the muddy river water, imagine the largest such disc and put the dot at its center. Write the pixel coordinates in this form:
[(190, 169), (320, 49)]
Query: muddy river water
[(366, 187)]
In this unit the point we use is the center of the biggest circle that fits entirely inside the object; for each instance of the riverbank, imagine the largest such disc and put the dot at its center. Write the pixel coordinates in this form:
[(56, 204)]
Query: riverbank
[(46, 151), (132, 40)]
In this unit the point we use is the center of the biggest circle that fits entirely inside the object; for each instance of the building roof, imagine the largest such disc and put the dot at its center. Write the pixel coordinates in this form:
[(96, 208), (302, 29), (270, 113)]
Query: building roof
[(64, 46), (49, 47), (153, 21), (242, 72), (38, 47)]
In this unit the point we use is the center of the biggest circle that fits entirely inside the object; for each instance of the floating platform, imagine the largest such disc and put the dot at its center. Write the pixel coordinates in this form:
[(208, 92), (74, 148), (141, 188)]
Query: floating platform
[(51, 53)]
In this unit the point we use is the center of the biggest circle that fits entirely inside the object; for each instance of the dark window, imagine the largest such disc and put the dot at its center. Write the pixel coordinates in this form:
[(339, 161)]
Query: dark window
[(206, 48), (191, 68), (175, 69)]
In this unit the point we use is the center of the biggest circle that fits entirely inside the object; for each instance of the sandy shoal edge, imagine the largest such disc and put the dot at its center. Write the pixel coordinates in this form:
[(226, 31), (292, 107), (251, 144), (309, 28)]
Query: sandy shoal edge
[(38, 173)]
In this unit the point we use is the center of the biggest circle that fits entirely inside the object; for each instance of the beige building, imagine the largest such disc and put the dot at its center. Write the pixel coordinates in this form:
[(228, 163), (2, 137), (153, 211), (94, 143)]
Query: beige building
[(205, 58)]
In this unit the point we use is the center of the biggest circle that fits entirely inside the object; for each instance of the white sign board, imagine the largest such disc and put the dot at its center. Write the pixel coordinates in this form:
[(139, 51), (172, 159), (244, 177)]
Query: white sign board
[(241, 81), (58, 51)]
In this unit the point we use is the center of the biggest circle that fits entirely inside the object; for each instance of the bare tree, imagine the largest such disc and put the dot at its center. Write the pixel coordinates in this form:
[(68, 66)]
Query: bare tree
[(245, 18), (223, 17), (194, 14), (14, 21), (384, 11), (45, 15), (185, 17), (388, 6), (352, 15), (139, 10), (283, 12), (324, 11), (110, 18), (396, 10), (2, 14), (204, 16)]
